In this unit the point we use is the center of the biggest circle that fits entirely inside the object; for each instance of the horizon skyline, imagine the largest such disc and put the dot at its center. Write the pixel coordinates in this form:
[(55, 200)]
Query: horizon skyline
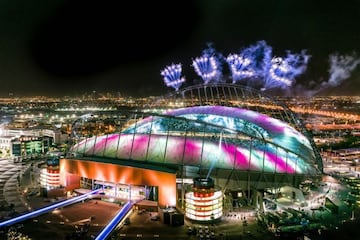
[(121, 94)]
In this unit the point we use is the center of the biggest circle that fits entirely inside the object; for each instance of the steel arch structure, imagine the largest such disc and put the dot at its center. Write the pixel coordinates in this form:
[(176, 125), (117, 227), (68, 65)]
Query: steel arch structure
[(240, 96), (194, 138)]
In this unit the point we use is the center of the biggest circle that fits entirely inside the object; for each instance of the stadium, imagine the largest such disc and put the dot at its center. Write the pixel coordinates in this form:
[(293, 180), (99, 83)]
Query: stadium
[(213, 146)]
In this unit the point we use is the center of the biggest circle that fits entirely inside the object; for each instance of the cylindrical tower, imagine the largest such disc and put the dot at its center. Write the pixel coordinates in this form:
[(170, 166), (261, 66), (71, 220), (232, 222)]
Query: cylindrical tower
[(50, 176), (204, 202)]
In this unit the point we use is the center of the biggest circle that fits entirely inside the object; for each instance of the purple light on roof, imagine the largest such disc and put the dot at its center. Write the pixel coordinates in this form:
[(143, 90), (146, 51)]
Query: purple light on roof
[(279, 163), (270, 124), (275, 131), (241, 161), (194, 152), (100, 142)]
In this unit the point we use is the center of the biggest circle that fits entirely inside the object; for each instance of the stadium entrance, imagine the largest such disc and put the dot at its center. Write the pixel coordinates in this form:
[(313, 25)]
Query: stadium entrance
[(119, 181), (121, 191)]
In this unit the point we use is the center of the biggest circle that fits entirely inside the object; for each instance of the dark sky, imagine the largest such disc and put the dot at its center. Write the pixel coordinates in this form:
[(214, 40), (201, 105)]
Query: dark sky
[(71, 47)]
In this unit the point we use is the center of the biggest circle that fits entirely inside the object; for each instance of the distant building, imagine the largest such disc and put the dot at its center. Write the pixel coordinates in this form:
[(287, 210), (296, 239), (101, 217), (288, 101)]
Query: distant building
[(5, 146), (30, 146), (58, 136)]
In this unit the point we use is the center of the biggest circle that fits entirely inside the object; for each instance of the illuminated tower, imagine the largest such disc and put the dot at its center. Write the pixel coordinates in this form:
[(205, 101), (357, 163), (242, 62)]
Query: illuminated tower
[(50, 176), (204, 202)]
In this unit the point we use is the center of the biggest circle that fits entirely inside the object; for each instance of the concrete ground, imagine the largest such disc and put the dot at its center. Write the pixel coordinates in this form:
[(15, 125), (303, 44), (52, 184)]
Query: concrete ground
[(229, 227), (63, 223)]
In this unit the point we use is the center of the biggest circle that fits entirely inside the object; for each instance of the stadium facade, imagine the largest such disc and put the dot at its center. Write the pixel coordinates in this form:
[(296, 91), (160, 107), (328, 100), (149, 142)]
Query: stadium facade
[(245, 141)]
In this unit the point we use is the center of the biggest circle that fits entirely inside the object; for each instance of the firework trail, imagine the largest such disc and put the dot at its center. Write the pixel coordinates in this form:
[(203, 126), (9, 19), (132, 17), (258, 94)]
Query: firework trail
[(240, 67), (251, 62), (283, 71), (255, 63), (208, 66), (172, 76)]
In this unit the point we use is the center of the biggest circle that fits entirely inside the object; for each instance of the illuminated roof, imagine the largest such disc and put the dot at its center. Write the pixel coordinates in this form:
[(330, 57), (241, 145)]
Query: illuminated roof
[(227, 119), (208, 137)]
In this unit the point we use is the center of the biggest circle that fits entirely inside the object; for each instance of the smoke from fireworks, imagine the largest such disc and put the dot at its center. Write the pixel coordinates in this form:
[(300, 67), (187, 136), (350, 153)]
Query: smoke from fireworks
[(340, 68), (208, 66), (172, 76), (251, 62), (257, 62), (257, 65), (283, 71), (240, 67)]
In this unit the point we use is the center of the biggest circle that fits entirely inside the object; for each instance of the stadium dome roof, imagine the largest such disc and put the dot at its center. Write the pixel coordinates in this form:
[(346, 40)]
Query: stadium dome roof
[(208, 137), (222, 120), (213, 126)]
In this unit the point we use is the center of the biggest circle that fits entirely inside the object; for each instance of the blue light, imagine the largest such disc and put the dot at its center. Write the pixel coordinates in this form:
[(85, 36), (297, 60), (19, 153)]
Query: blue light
[(252, 62), (208, 66), (47, 209), (172, 76), (240, 67), (115, 221), (257, 63), (283, 71)]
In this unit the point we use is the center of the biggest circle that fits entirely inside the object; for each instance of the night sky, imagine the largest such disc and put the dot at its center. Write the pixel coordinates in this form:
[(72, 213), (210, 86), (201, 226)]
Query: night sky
[(72, 47)]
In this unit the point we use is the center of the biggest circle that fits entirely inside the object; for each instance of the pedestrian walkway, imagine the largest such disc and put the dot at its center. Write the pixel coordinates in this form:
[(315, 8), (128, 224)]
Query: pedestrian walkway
[(10, 194)]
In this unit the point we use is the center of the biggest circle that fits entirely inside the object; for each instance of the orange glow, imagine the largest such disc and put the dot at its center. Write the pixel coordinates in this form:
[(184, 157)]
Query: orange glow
[(166, 182), (49, 170)]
